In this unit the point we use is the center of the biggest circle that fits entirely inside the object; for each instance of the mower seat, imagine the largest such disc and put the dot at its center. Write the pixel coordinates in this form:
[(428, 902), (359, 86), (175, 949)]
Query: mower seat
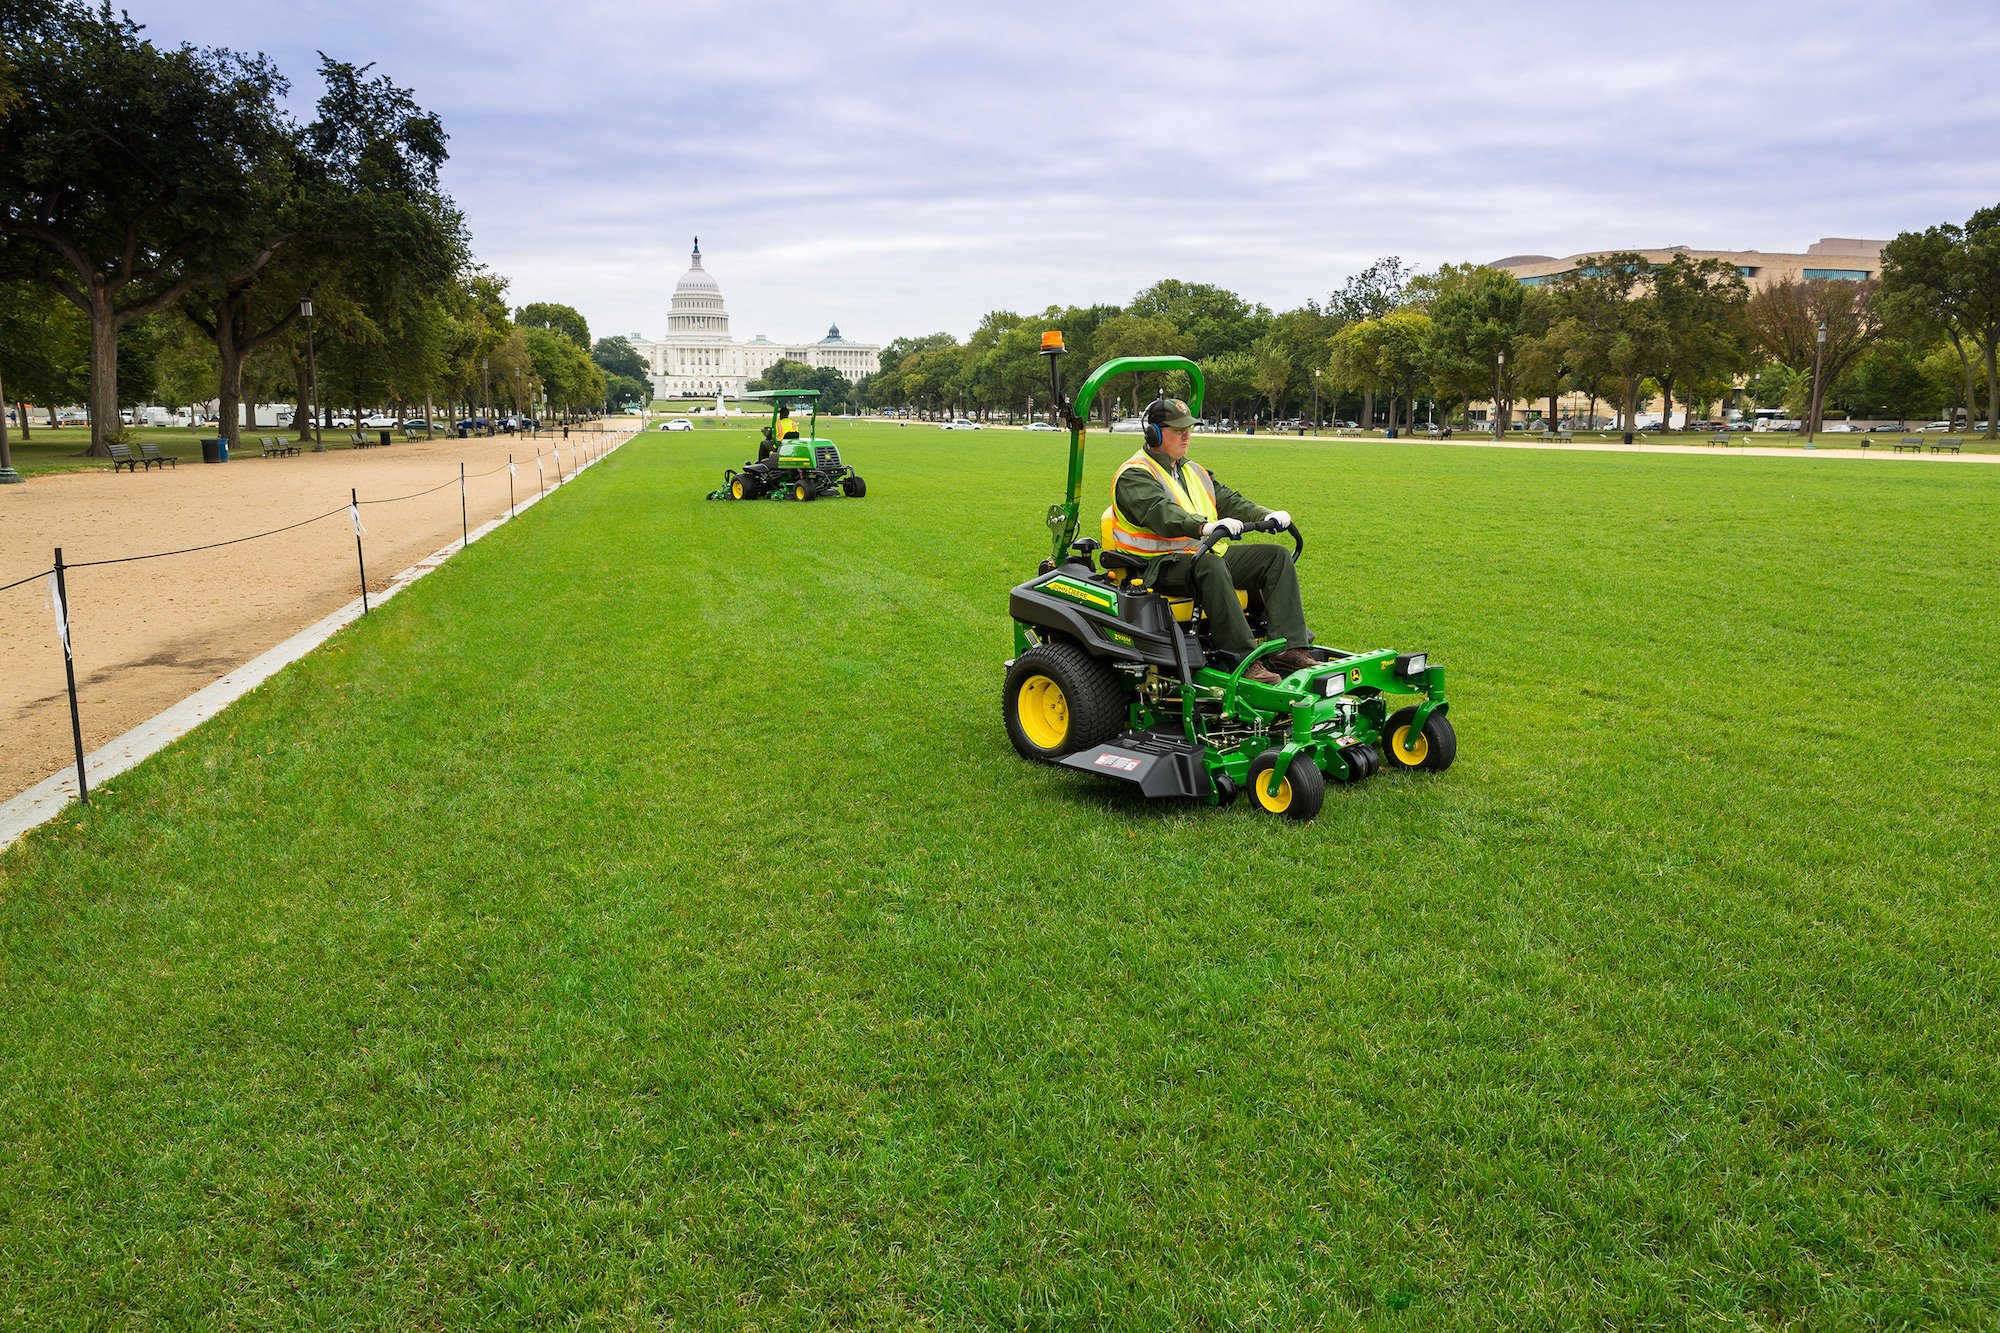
[(1122, 565)]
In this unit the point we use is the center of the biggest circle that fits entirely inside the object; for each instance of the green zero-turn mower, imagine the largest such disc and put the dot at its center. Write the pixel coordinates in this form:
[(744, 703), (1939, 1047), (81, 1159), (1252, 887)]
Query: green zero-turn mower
[(1113, 678), (801, 468)]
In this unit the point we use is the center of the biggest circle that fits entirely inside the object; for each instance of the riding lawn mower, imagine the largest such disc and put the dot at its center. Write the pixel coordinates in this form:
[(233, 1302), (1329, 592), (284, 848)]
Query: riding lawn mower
[(791, 468), (1111, 677)]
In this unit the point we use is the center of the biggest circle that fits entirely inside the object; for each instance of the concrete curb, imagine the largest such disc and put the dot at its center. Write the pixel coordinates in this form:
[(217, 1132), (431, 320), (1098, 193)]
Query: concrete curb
[(47, 798)]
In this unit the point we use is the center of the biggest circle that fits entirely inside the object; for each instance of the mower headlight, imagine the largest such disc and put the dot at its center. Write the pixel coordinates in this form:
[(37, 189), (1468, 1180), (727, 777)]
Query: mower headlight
[(1415, 664), (1334, 684)]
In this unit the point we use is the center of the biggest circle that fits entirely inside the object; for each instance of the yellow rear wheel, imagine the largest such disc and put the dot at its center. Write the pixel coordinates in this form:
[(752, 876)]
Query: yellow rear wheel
[(738, 489), (1044, 712)]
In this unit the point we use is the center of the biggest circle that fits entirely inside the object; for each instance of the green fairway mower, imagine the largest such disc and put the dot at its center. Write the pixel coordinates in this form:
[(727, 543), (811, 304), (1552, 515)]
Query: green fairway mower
[(1113, 678), (791, 467)]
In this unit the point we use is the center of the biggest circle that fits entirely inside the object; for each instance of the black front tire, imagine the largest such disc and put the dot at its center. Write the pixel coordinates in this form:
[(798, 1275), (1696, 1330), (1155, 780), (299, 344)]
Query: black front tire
[(804, 490), (1300, 794), (1058, 699), (1437, 744), (854, 488)]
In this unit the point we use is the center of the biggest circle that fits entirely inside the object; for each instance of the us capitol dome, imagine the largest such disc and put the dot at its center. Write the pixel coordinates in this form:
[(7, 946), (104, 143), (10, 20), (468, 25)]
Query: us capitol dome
[(698, 359)]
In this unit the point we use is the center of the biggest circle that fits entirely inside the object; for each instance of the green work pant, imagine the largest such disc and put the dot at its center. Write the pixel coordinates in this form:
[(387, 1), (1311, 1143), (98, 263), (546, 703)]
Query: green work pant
[(1264, 568)]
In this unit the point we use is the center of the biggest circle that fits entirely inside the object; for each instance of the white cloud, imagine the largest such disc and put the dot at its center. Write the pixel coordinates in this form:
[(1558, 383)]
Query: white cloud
[(903, 168)]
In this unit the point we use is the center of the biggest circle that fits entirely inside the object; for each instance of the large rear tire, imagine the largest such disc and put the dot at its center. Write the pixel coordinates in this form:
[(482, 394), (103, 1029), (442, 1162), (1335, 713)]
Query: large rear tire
[(1058, 699), (1436, 745)]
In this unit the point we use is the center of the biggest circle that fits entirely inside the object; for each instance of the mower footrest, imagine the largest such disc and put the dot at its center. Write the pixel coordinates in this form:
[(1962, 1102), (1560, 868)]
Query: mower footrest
[(1158, 765)]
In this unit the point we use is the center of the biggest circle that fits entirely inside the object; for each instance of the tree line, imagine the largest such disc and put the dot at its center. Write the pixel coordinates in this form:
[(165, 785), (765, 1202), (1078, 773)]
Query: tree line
[(1392, 345), (165, 224)]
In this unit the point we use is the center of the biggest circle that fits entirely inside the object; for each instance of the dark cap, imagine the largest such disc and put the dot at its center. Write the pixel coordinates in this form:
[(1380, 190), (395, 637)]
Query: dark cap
[(1169, 412)]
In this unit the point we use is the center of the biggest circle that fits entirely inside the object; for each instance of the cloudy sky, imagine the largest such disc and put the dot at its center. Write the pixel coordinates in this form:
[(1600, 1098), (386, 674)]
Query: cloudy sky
[(903, 168)]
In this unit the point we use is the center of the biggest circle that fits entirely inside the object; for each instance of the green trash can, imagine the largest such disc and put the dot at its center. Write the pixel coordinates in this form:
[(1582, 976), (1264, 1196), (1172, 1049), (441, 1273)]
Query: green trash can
[(215, 451)]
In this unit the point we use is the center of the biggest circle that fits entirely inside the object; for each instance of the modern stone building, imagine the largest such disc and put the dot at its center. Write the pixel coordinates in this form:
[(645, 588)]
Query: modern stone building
[(698, 358), (1833, 257)]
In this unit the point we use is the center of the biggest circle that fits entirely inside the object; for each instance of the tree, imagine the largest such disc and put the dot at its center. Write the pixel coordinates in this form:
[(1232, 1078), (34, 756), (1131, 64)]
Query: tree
[(1213, 319), (1609, 325), (126, 171), (1371, 293), (561, 319), (618, 357), (1274, 372), (1895, 378), (568, 376), (1135, 335), (1230, 378), (1472, 324), (1390, 352), (835, 392), (1785, 318), (1951, 274), (356, 199), (1702, 325), (44, 353)]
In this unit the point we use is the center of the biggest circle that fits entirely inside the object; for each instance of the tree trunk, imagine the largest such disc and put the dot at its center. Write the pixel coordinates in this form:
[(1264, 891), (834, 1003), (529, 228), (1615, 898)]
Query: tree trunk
[(430, 422), (1666, 408), (25, 408), (1631, 417), (229, 379), (1552, 422), (6, 452), (103, 374), (302, 414), (1368, 410), (1992, 391)]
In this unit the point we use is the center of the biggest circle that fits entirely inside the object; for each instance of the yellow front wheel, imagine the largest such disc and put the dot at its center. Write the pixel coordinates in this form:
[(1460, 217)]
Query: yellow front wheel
[(1431, 749), (1301, 792), (805, 490), (1044, 712)]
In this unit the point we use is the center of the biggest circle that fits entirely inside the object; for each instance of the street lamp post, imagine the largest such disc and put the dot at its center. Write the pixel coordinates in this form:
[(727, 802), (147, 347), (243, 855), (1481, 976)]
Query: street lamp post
[(1315, 400), (1812, 408), (1499, 367), (312, 371)]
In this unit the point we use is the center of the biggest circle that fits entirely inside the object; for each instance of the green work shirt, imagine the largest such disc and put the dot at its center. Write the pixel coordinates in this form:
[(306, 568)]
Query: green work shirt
[(1142, 499)]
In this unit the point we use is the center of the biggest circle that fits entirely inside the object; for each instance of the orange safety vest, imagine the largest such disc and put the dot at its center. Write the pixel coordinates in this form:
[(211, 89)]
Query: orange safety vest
[(1122, 534)]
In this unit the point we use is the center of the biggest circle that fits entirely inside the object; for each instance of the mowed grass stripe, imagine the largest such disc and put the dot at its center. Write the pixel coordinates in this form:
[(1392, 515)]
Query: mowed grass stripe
[(644, 918)]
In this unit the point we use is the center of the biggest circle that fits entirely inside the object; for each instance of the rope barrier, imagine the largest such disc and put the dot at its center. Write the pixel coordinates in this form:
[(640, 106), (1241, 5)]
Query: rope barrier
[(38, 574)]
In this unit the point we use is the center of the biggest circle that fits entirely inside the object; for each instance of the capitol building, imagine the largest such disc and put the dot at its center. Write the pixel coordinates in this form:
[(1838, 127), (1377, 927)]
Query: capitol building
[(698, 358)]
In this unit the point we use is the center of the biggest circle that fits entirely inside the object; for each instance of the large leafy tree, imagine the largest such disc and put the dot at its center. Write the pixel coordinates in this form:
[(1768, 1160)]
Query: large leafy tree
[(1703, 334), (1785, 319), (1951, 275), (1473, 323), (44, 354), (1609, 325), (127, 170), (1213, 319), (1136, 335), (1389, 352), (561, 319), (358, 206), (619, 357)]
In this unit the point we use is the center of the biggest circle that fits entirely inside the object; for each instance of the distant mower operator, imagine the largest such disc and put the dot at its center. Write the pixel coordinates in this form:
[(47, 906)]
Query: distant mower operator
[(1122, 668), (788, 465)]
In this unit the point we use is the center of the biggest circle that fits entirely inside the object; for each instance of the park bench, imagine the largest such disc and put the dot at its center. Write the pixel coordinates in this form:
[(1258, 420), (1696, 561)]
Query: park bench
[(1951, 442), (122, 456), (1913, 443), (275, 448), (361, 441), (149, 453)]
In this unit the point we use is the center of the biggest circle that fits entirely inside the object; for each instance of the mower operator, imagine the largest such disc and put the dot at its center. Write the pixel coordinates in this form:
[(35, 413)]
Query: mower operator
[(1163, 505)]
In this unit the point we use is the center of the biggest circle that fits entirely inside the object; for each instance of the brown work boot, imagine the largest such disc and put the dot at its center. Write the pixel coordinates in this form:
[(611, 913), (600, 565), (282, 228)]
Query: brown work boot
[(1292, 659), (1256, 671)]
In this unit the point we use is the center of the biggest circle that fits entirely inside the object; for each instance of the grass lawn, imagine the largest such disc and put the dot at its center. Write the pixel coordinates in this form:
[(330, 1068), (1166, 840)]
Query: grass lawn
[(645, 921)]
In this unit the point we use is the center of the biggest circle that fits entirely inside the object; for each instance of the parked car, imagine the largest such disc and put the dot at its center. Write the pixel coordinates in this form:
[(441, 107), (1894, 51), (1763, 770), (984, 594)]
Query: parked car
[(1040, 425), (676, 423), (1886, 428), (1938, 425), (415, 423), (378, 421), (1841, 428), (958, 423)]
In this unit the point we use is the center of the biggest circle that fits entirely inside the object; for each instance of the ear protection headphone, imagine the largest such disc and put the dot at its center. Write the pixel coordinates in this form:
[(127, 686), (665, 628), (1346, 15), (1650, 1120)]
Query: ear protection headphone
[(1155, 437)]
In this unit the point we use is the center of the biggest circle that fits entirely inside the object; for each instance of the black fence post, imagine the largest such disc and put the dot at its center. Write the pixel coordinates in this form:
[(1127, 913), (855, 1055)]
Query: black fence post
[(354, 508), (69, 670)]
